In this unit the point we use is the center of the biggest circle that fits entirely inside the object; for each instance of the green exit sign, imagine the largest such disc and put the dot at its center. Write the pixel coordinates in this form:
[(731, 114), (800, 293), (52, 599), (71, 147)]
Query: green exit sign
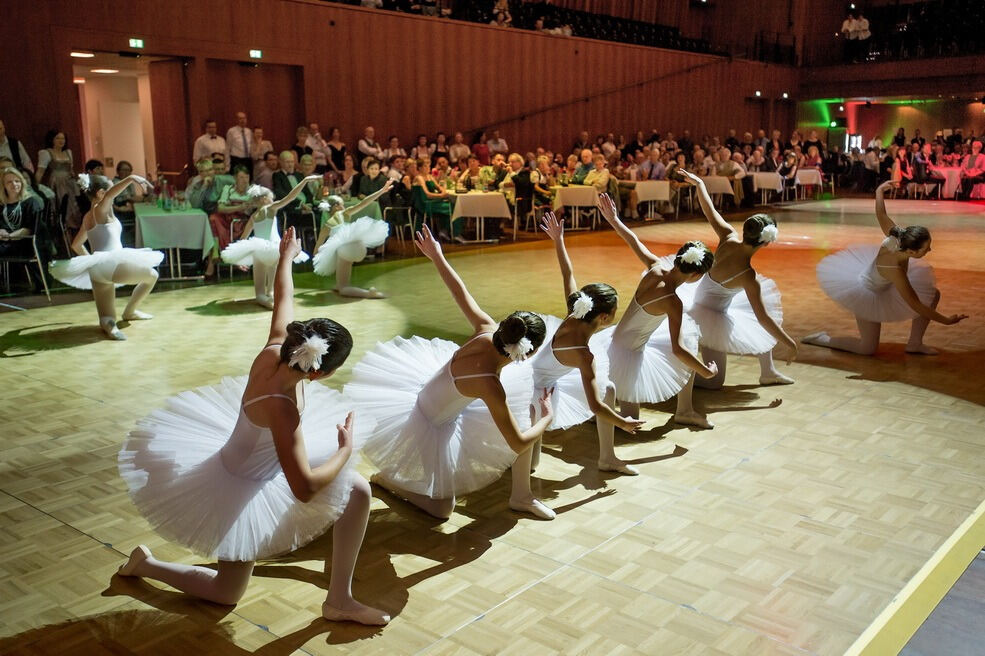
[(256, 54), (136, 43)]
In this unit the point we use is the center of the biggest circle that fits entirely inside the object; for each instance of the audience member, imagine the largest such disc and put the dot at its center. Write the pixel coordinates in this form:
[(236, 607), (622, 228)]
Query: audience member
[(598, 177), (336, 150), (373, 181), (421, 149), (301, 147), (480, 148), (972, 169), (55, 171), (393, 149), (318, 146), (459, 150), (259, 150), (21, 212), (497, 144), (440, 148), (14, 149), (368, 147), (264, 174), (210, 143), (239, 144)]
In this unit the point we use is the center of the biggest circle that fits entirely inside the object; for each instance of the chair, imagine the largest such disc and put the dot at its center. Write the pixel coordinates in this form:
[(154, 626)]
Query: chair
[(34, 257), (524, 198), (408, 224)]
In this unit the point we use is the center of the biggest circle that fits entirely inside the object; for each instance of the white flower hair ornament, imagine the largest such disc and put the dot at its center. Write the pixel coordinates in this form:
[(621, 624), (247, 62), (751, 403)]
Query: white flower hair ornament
[(257, 191), (694, 255), (84, 181), (768, 234), (582, 306), (892, 243), (518, 352), (307, 356)]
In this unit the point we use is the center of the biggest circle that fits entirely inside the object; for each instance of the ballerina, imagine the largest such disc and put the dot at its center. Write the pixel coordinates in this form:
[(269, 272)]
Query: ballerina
[(342, 241), (234, 471), (737, 310), (110, 264), (450, 420), (651, 349), (261, 250), (573, 365), (882, 284)]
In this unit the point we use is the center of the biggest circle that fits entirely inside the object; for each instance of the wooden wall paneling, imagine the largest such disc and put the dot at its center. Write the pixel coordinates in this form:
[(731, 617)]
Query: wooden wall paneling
[(173, 135)]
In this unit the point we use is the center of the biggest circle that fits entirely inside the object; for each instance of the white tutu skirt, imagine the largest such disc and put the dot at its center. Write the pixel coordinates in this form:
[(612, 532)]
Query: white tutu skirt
[(256, 249), (81, 270), (173, 468), (350, 241), (736, 328), (842, 277), (569, 401), (653, 373), (459, 456)]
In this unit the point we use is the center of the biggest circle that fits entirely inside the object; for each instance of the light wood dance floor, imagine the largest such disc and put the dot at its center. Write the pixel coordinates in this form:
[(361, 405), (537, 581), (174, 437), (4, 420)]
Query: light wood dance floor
[(784, 530)]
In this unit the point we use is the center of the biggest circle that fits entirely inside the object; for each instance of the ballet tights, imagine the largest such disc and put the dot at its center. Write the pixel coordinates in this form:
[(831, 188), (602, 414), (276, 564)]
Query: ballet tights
[(767, 370), (343, 276), (607, 436), (440, 508), (104, 293), (263, 281), (685, 413)]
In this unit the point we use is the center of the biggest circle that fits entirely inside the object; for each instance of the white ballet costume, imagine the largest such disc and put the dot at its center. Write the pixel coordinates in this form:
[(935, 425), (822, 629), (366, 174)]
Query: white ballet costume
[(107, 253), (642, 364), (350, 241), (851, 278), (725, 316), (429, 439), (204, 476), (263, 247), (569, 401)]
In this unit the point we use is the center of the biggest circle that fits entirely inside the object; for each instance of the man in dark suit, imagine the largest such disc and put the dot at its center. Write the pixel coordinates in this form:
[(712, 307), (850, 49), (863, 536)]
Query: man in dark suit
[(285, 179)]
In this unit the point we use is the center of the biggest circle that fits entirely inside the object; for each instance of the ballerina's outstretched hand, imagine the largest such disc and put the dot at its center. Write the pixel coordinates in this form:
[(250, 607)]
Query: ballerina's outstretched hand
[(553, 227), (428, 245)]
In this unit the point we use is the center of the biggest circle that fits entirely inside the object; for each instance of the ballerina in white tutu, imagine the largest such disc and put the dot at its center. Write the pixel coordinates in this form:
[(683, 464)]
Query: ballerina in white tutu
[(261, 251), (342, 242), (249, 469), (573, 363), (109, 265), (450, 420), (884, 283), (652, 348), (737, 310)]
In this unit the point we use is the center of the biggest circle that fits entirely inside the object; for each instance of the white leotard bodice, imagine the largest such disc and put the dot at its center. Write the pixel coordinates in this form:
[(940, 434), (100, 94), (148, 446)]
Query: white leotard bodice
[(105, 236), (871, 277), (439, 399), (265, 227), (636, 325), (250, 452), (715, 295), (547, 370)]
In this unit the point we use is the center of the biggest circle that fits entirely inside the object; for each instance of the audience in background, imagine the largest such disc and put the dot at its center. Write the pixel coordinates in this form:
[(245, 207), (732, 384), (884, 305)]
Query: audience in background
[(263, 175), (239, 142), (318, 146), (14, 149), (259, 150), (367, 146), (209, 144), (336, 150)]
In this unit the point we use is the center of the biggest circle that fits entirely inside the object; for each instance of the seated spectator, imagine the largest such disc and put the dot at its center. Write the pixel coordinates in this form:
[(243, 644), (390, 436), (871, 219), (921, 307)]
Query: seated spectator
[(285, 179), (598, 177), (937, 157), (439, 148), (788, 170), (368, 147), (421, 150), (514, 164), (123, 203), (318, 146), (301, 147), (14, 150), (653, 168), (609, 145), (204, 189), (542, 178), (815, 141), (232, 211), (312, 193), (500, 20), (393, 149), (731, 141), (395, 168), (585, 165), (733, 170), (431, 199), (259, 150), (348, 173), (373, 181), (902, 170), (583, 142), (470, 177), (813, 158), (459, 150), (497, 144), (491, 176), (443, 173), (336, 151), (571, 167), (21, 212), (972, 169), (208, 144), (264, 175), (774, 161), (480, 149), (756, 161), (924, 171)]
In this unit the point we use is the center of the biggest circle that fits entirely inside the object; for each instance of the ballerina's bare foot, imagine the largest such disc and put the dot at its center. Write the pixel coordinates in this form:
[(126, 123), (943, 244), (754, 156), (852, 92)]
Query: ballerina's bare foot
[(693, 419), (353, 611), (776, 378), (820, 338), (112, 331), (139, 554), (137, 315), (534, 506), (618, 466), (921, 349)]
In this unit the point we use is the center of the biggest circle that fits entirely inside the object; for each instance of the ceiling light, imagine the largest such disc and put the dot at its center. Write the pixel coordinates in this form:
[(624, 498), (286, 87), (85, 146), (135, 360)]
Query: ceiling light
[(82, 55), (759, 93), (78, 80), (785, 95), (104, 70)]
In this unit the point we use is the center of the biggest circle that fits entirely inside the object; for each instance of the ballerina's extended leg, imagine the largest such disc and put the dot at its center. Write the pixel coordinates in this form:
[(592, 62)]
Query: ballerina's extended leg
[(607, 436), (343, 275), (224, 585), (347, 538), (865, 344), (686, 414), (522, 498), (261, 286), (768, 374), (918, 328)]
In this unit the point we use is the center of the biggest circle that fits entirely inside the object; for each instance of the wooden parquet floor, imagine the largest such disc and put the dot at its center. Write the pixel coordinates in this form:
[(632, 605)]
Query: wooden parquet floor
[(785, 530)]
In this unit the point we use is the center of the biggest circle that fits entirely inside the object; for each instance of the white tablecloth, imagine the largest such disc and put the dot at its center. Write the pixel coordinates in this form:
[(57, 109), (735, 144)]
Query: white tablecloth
[(648, 190), (718, 184), (177, 229), (768, 180), (808, 177), (952, 179), (481, 204), (576, 196)]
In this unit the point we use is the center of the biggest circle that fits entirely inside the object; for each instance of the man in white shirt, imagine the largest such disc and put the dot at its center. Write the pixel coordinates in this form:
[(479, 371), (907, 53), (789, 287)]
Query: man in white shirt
[(209, 143), (319, 148), (14, 150), (875, 142), (368, 147), (849, 32), (497, 144), (239, 142), (653, 168)]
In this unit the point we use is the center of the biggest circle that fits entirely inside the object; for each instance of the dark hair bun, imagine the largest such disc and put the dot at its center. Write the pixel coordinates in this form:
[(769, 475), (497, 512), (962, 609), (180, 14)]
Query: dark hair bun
[(707, 259), (515, 327), (911, 238), (339, 341), (752, 229), (604, 300)]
